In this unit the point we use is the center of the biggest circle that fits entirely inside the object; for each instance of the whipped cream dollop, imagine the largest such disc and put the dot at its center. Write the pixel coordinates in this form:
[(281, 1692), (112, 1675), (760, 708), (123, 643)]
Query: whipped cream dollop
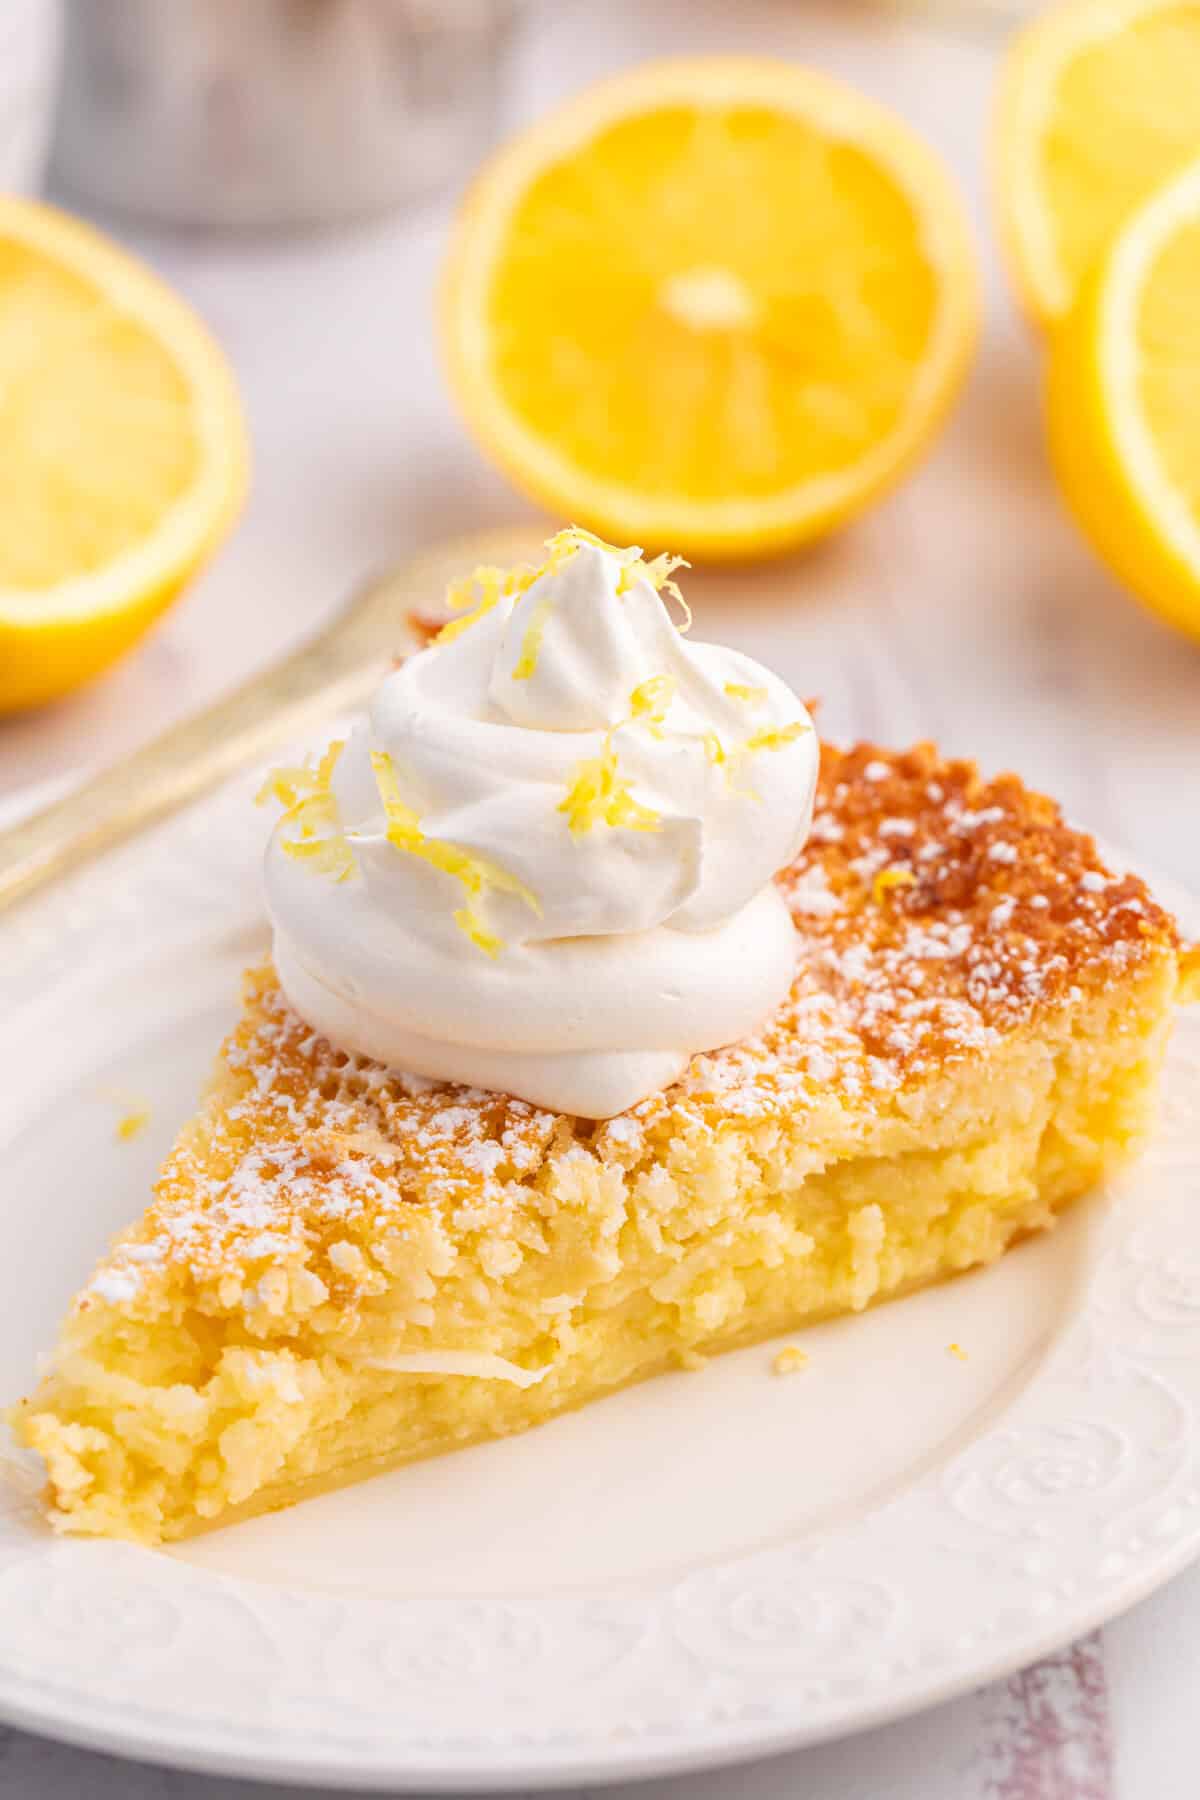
[(543, 863)]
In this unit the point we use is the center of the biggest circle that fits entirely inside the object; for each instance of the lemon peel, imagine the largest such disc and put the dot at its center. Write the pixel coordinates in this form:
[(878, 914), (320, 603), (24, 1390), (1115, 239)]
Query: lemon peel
[(132, 1124), (478, 593), (311, 811), (887, 879), (752, 696), (658, 571), (531, 644), (598, 794), (770, 739), (650, 702), (777, 739), (477, 874), (291, 783)]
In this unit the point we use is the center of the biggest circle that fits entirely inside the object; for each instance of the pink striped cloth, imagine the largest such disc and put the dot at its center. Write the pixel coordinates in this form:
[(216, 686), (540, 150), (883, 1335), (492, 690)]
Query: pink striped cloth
[(1047, 1731)]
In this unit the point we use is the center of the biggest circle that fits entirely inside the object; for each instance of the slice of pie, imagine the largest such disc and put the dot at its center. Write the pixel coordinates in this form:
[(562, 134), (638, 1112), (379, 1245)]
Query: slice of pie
[(342, 1270)]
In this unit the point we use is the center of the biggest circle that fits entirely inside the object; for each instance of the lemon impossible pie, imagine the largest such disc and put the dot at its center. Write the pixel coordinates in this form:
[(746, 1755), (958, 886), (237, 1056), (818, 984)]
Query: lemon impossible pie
[(343, 1269)]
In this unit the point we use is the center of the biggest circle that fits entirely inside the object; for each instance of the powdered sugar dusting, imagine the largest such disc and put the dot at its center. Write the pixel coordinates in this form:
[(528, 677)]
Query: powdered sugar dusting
[(992, 910)]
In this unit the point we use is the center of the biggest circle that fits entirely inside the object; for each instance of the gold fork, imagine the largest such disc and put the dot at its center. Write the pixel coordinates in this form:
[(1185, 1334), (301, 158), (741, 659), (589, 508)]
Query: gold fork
[(331, 673)]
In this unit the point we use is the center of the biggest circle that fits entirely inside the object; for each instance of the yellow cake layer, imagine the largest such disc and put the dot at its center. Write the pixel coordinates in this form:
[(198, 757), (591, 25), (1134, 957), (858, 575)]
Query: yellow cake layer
[(964, 1052)]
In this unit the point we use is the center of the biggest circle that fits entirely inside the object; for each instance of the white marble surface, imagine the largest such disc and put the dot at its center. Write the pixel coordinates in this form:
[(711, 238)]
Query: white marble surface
[(965, 609)]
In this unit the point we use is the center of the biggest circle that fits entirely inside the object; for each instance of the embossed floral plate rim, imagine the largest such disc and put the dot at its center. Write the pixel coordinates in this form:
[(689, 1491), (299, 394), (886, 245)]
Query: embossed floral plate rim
[(1077, 1501)]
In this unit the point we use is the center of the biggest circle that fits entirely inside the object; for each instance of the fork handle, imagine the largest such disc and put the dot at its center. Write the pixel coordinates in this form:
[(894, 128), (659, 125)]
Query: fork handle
[(184, 762), (334, 672)]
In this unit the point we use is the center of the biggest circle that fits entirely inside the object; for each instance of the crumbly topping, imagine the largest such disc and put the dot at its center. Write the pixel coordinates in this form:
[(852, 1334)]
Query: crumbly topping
[(936, 911), (992, 911), (132, 1123)]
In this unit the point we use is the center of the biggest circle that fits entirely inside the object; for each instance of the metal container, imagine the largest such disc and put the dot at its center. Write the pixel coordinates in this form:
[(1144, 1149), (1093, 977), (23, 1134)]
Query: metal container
[(275, 112)]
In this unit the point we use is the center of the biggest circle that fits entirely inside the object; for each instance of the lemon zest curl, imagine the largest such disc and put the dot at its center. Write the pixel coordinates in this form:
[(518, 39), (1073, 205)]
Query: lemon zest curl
[(477, 595), (751, 696), (477, 874), (650, 702), (311, 813), (598, 794), (531, 644), (887, 879)]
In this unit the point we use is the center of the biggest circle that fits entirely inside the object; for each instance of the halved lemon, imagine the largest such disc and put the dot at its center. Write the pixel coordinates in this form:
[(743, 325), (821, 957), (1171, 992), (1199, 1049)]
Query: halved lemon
[(710, 305), (1099, 104), (122, 451), (1124, 403)]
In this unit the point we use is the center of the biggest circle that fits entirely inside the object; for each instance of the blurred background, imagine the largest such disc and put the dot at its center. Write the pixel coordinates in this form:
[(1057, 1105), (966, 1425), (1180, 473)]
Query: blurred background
[(292, 168)]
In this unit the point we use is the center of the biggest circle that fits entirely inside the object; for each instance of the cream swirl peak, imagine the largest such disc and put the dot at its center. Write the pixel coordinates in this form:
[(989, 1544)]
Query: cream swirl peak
[(543, 864)]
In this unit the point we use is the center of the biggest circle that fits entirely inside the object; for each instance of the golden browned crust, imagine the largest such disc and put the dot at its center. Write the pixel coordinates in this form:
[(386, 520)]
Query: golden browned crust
[(936, 912), (920, 852)]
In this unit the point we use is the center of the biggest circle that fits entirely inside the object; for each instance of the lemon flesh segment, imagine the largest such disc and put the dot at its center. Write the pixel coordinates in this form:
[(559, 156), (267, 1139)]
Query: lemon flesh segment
[(1102, 104), (122, 450), (1124, 404), (96, 436), (720, 322)]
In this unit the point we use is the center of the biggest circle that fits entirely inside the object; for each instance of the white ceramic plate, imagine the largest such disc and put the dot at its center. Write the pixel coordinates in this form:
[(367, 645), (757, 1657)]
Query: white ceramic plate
[(709, 1567)]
